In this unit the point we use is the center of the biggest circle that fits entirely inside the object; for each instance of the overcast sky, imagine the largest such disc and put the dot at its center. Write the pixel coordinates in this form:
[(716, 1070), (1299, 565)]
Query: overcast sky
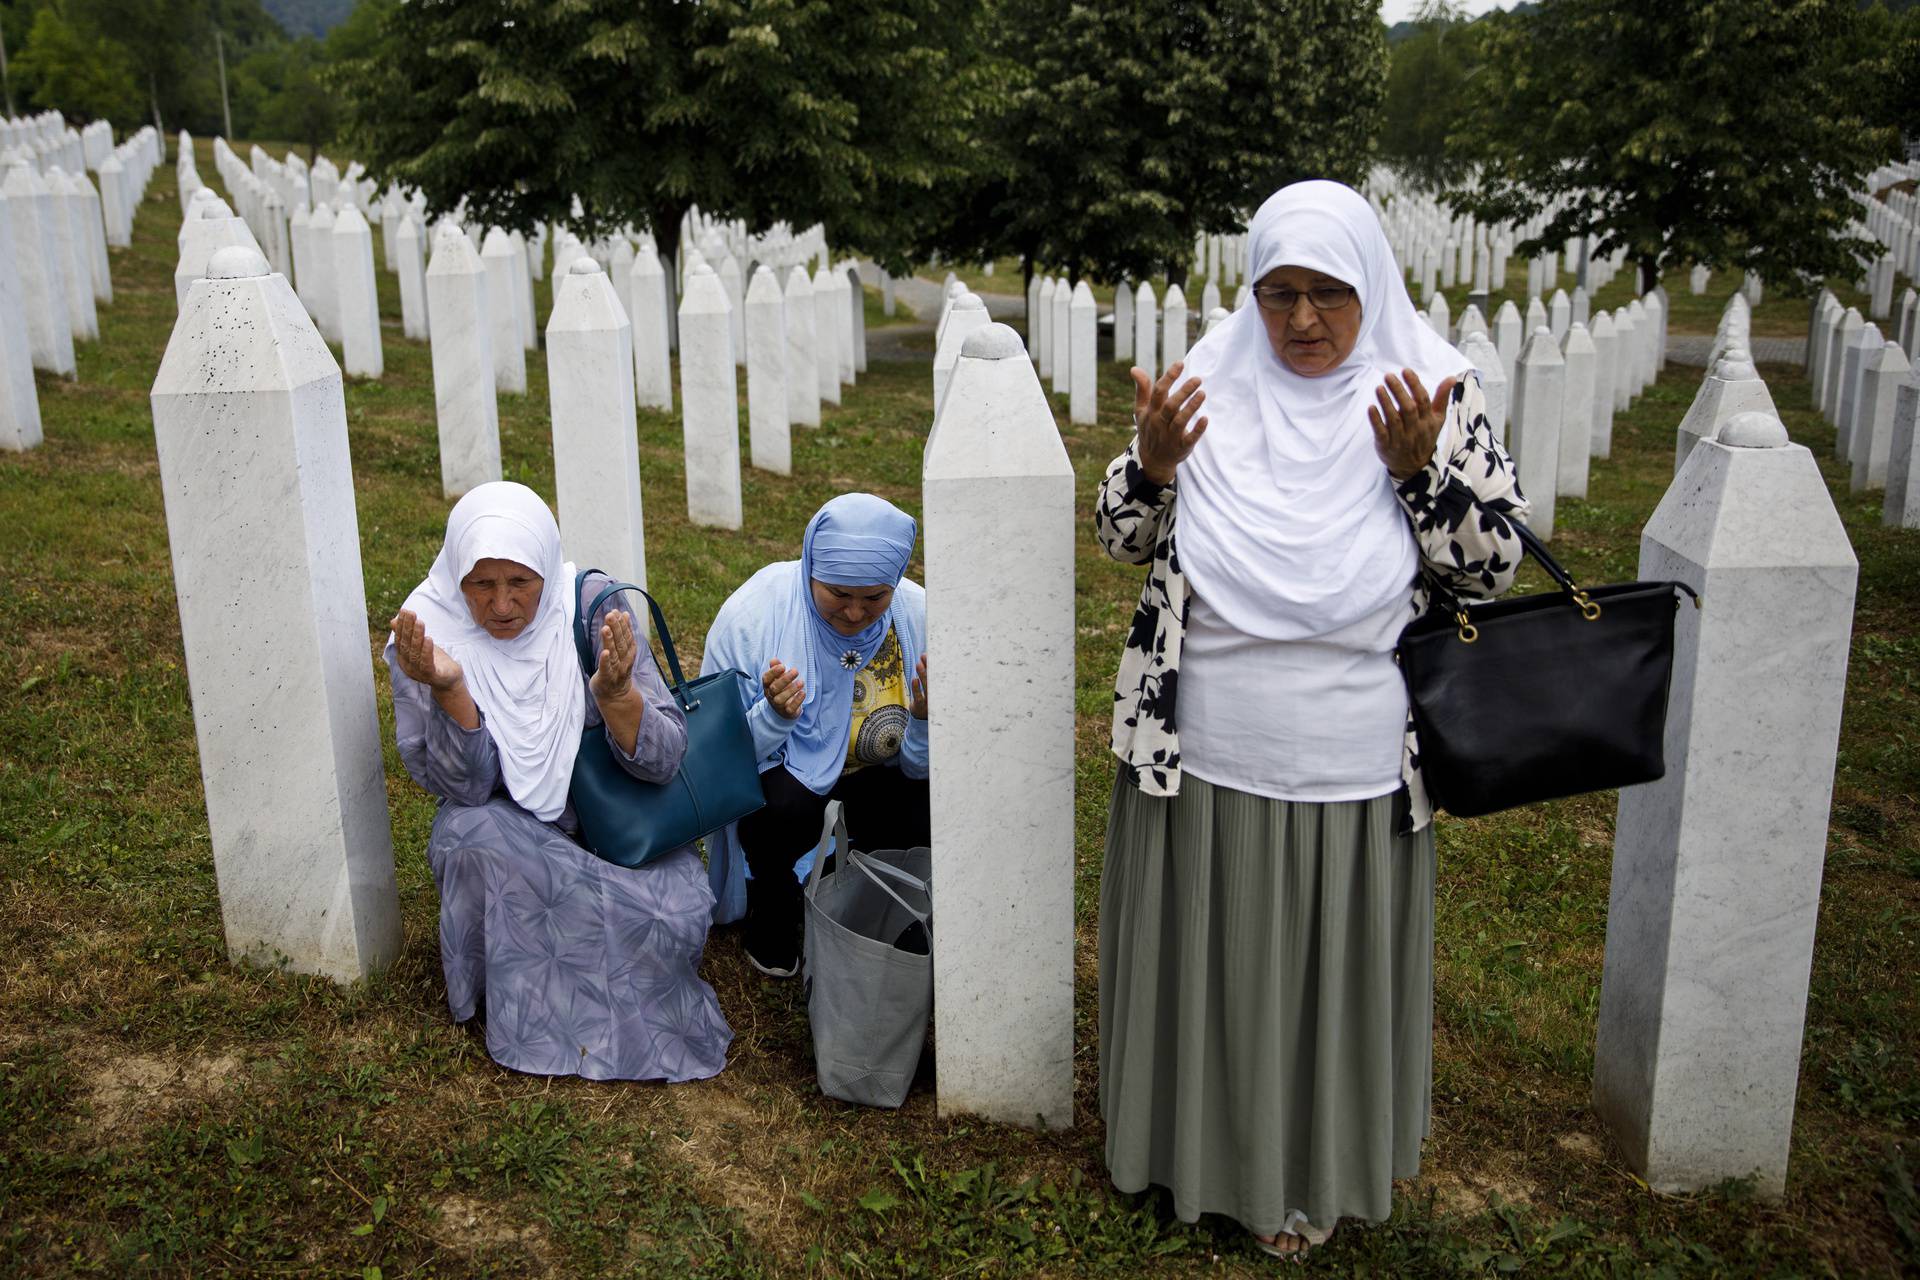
[(1400, 10)]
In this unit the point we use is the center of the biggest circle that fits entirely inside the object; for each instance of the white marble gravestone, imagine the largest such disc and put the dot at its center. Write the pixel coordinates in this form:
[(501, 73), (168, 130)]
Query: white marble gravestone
[(1733, 386), (462, 350), (1060, 338), (1697, 280), (1559, 314), (1000, 534), (857, 314), (1145, 350), (1853, 366), (803, 372), (969, 315), (710, 397), (596, 450), (1886, 370), (1626, 360), (1042, 335), (503, 313), (19, 397), (1576, 421), (1173, 344), (843, 325), (647, 313), (1438, 315), (43, 287), (1215, 317), (323, 294), (76, 266), (1716, 867), (728, 269), (361, 353), (116, 204), (1507, 337), (1123, 323), (826, 338), (1838, 339), (250, 427), (768, 429), (1485, 357), (1539, 405), (1606, 347), (410, 256), (1901, 508), (1083, 337)]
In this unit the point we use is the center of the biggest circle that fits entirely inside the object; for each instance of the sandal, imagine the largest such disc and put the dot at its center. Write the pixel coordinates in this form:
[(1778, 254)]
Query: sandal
[(1293, 1250)]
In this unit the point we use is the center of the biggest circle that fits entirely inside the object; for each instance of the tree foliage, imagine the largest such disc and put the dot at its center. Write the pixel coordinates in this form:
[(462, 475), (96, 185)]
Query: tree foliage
[(1434, 70), (1730, 133), (1127, 129), (845, 113)]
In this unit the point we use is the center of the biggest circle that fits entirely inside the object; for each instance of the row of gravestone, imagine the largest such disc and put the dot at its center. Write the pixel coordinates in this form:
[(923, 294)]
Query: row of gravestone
[(251, 434), (54, 271)]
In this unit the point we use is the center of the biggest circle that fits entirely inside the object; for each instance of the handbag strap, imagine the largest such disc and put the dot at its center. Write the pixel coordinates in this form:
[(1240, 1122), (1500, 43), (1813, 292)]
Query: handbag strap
[(585, 619), (1530, 545)]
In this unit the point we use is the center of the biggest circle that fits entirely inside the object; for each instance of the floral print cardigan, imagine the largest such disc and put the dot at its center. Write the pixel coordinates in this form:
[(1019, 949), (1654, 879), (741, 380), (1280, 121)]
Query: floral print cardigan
[(1459, 507)]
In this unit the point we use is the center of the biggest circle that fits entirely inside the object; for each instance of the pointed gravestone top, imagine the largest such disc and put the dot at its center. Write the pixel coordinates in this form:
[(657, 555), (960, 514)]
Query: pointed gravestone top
[(1735, 366), (583, 267), (1753, 430)]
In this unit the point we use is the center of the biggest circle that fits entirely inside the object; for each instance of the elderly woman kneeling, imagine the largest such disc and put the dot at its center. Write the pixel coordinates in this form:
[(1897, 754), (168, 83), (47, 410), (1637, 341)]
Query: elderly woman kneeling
[(577, 966)]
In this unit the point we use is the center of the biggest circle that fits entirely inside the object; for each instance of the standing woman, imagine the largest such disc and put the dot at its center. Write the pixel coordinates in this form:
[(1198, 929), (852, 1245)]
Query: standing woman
[(575, 966), (1266, 912)]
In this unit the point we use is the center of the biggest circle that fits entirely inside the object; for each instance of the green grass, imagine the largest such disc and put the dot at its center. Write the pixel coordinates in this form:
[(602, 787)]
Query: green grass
[(163, 1112)]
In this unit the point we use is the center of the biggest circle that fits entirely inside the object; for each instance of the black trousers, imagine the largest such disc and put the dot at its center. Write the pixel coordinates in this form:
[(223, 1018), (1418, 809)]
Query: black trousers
[(885, 810)]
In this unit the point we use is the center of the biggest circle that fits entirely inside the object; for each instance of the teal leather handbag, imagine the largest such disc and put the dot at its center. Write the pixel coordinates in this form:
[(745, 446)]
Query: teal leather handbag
[(629, 822)]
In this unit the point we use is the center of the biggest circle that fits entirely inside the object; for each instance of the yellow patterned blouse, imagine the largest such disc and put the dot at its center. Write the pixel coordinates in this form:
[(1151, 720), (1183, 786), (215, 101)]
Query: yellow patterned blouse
[(879, 707)]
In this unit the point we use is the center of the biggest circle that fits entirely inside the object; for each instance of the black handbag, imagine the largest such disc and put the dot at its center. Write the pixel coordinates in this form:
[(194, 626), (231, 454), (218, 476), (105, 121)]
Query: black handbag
[(629, 822), (1541, 696)]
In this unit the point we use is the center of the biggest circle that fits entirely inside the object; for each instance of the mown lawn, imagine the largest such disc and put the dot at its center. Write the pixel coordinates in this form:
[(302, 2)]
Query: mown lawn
[(163, 1112)]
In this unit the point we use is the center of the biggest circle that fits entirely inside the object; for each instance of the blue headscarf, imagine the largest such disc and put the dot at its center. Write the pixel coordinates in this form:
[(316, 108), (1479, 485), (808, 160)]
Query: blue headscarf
[(856, 540)]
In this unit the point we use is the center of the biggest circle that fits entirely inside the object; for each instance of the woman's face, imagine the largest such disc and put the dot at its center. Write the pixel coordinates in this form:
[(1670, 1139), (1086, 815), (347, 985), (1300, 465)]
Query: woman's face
[(1308, 341), (502, 595), (850, 610)]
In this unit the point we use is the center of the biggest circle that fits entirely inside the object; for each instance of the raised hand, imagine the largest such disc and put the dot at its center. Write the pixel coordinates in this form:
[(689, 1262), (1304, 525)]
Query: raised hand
[(1406, 422), (613, 677), (422, 659), (1163, 418), (784, 688), (919, 703)]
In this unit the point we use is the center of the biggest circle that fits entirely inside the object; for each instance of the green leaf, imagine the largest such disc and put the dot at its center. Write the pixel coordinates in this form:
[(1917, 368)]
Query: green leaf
[(878, 1201), (364, 1229)]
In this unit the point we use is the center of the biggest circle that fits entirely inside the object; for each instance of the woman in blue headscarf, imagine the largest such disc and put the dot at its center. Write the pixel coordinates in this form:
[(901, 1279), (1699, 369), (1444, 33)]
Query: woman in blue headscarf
[(838, 640)]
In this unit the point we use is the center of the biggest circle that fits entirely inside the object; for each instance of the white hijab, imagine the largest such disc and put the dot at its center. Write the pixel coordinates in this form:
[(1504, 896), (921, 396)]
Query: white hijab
[(527, 688), (1288, 524)]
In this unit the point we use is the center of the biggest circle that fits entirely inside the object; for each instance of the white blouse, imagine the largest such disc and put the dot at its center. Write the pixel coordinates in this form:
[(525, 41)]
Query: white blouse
[(1316, 720)]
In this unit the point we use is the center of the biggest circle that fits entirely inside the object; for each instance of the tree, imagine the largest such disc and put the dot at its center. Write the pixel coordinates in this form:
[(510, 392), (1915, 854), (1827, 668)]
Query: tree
[(844, 114), (1128, 129), (1432, 71), (1731, 134), (76, 71)]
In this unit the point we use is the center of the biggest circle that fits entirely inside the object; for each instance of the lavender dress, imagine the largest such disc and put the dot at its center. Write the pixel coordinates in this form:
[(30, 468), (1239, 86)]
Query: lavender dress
[(585, 968)]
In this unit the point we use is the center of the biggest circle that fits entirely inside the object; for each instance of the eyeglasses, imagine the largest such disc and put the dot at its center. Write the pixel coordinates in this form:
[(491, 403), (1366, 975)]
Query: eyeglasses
[(1324, 297)]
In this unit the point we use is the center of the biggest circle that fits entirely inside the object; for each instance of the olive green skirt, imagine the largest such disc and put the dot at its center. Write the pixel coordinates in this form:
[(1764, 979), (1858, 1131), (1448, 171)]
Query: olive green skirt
[(1266, 1003)]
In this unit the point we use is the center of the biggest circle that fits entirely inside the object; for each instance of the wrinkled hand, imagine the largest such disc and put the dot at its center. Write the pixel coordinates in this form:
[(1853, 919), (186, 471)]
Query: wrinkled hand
[(1163, 419), (420, 658), (613, 677), (1406, 422), (784, 688), (919, 689)]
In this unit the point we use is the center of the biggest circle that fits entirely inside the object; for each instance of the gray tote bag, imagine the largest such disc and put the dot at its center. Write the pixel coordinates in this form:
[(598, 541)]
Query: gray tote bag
[(868, 1000)]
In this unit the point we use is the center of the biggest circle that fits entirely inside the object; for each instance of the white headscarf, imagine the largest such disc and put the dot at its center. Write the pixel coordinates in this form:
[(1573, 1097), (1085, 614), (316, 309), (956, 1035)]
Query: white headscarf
[(527, 688), (1288, 524)]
